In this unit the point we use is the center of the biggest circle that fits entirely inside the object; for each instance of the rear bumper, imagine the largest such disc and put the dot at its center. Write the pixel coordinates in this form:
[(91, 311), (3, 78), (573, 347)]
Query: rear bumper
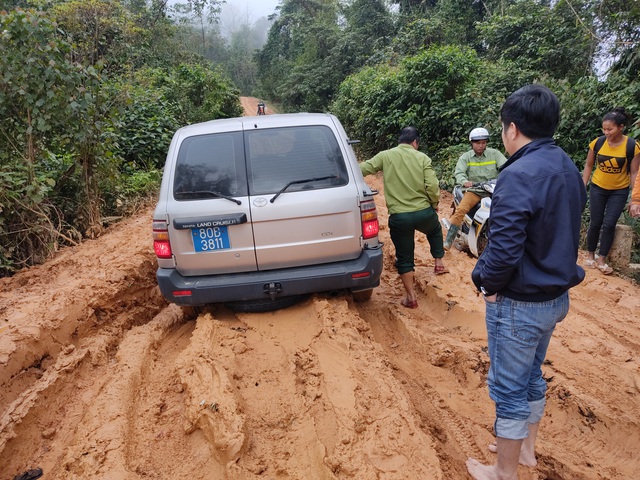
[(273, 283)]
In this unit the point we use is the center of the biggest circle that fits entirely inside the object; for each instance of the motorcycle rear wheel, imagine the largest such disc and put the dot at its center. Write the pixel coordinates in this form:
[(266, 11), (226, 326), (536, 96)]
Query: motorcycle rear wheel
[(483, 238)]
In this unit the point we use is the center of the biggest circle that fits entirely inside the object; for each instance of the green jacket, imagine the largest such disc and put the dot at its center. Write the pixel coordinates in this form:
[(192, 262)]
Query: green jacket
[(473, 168), (410, 183)]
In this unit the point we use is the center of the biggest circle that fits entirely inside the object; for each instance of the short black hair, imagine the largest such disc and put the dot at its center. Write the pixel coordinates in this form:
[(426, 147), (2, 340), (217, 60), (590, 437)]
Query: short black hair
[(534, 109), (618, 115), (408, 135)]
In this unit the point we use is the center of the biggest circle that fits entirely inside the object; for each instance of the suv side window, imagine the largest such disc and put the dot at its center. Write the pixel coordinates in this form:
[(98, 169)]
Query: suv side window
[(210, 165), (308, 155)]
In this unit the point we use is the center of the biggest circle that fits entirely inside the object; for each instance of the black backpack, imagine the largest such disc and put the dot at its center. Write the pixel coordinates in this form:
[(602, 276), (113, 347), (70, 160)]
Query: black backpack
[(631, 146)]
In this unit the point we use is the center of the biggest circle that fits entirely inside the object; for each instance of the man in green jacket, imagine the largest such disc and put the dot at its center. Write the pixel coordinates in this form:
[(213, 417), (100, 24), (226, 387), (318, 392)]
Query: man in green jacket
[(477, 165), (412, 193)]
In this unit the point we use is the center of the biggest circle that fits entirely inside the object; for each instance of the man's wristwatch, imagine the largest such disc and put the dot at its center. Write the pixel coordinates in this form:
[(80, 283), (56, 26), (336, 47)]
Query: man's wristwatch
[(484, 292)]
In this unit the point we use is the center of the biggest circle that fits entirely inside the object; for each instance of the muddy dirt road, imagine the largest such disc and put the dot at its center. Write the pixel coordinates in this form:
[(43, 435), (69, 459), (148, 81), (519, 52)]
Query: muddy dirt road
[(101, 379), (250, 106)]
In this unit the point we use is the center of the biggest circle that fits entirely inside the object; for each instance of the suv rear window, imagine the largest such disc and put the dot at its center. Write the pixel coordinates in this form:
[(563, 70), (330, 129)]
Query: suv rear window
[(303, 158), (210, 166), (292, 158)]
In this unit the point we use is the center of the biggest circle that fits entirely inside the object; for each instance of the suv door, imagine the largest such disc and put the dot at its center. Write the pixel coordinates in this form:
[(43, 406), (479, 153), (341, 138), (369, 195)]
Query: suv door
[(304, 208), (208, 211)]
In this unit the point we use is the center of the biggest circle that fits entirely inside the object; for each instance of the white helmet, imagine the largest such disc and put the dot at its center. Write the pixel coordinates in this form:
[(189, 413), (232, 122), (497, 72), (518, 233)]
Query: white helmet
[(479, 134)]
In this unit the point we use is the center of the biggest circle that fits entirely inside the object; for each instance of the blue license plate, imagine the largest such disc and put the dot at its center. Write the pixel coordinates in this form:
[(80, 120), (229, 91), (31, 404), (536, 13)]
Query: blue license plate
[(210, 239)]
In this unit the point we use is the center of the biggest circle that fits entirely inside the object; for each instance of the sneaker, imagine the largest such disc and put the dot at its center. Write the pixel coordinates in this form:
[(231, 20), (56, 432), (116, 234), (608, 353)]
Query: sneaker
[(605, 269)]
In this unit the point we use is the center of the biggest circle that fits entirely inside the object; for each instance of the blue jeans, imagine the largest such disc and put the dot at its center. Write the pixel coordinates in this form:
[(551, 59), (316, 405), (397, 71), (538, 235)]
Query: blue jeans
[(605, 207), (518, 335)]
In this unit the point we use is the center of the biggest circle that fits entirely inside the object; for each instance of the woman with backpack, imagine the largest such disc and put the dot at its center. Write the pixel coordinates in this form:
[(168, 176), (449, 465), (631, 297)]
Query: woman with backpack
[(616, 158)]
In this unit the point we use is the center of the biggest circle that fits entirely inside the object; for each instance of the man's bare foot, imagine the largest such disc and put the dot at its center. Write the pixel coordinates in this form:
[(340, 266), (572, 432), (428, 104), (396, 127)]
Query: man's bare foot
[(526, 459), (481, 472)]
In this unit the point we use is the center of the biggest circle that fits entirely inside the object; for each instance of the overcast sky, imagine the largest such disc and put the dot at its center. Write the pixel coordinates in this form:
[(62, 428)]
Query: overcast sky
[(253, 8)]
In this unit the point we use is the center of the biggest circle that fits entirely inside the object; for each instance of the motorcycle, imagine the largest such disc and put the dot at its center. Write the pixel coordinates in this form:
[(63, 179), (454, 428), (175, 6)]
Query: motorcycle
[(473, 233), (262, 109)]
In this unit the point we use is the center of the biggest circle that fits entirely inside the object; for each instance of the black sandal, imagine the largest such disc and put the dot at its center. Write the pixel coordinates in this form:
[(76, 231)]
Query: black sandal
[(29, 475)]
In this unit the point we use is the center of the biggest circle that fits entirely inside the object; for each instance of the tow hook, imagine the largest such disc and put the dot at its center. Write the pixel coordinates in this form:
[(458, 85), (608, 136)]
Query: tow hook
[(375, 247), (272, 289)]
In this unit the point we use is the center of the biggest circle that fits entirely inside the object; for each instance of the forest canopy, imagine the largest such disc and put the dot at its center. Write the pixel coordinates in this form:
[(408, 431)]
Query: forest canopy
[(91, 92)]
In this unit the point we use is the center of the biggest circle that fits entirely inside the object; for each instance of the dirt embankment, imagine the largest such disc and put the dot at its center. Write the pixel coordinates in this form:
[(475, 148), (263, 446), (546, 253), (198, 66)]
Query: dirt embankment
[(101, 379)]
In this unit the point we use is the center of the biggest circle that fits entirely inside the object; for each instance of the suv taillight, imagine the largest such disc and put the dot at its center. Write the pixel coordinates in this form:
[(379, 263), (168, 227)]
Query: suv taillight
[(161, 244), (369, 216)]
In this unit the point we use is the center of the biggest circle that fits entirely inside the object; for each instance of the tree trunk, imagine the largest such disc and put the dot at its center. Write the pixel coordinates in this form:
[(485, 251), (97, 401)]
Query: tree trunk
[(92, 196)]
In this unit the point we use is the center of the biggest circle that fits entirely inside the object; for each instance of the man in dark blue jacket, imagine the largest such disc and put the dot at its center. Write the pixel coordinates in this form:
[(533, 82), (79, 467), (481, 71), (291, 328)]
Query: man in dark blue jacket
[(526, 271)]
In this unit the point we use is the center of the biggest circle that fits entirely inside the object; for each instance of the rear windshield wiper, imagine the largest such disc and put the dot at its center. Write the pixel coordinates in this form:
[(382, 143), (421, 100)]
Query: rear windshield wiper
[(316, 179), (205, 194)]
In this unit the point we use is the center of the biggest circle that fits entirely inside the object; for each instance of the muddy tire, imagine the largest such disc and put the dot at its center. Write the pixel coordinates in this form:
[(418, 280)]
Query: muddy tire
[(483, 238), (191, 313), (362, 295)]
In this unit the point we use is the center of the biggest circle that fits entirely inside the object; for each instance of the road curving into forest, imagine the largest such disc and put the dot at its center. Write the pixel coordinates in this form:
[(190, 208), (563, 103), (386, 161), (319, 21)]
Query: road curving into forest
[(101, 379)]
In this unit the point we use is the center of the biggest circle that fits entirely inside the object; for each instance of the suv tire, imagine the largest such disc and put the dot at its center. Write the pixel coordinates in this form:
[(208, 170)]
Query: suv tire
[(362, 295), (266, 305)]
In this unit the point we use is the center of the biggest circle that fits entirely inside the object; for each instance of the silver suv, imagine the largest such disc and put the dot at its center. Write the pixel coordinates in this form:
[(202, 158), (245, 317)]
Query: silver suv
[(258, 212)]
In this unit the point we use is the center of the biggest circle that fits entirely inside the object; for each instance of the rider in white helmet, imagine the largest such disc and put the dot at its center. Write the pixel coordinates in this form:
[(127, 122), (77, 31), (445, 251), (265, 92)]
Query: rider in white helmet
[(477, 165)]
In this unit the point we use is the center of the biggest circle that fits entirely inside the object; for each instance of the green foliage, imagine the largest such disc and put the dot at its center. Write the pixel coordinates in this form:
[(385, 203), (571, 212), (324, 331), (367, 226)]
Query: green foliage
[(443, 91), (442, 22), (444, 164), (42, 96), (200, 93), (124, 193), (431, 80), (418, 34), (145, 127), (26, 217), (37, 81), (538, 37), (479, 106), (295, 67), (101, 31), (584, 103), (141, 183), (309, 51), (414, 7), (204, 13), (239, 64), (620, 23), (77, 142), (161, 101), (369, 28), (367, 105)]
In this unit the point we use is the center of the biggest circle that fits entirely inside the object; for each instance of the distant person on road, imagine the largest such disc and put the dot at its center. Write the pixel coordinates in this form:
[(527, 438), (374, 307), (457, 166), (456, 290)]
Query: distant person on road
[(526, 271), (477, 165), (616, 157), (262, 108), (412, 193)]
